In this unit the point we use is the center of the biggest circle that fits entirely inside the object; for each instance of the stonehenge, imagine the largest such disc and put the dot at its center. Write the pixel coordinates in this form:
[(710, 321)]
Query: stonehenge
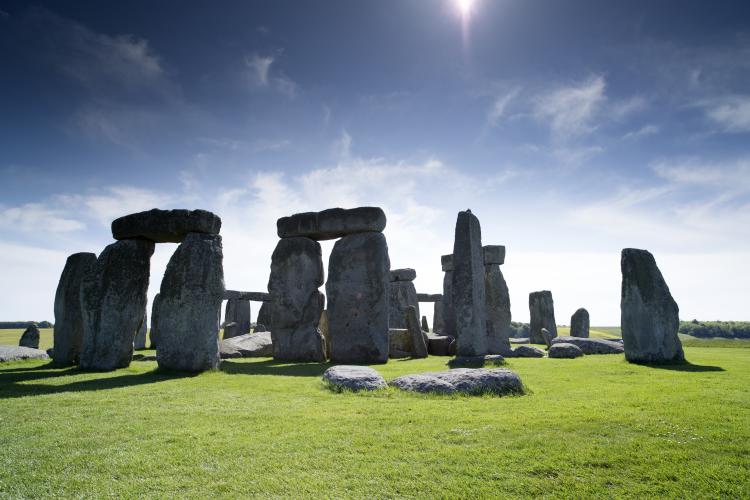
[(402, 295), (68, 330), (497, 300), (542, 315), (437, 311), (165, 226), (415, 332), (236, 318), (649, 314), (332, 223), (579, 323), (425, 324), (448, 312), (140, 337)]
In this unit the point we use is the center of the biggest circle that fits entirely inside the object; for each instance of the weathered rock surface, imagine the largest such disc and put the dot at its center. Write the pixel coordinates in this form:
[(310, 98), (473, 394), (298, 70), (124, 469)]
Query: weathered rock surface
[(264, 316), (153, 334), (469, 300), (68, 332), (418, 340), (477, 361), (438, 321), (357, 290), (425, 324), (592, 346), (402, 295), (449, 312), (253, 296), (30, 337), (399, 340), (547, 337), (439, 345), (353, 378), (17, 353), (250, 345), (649, 314), (542, 312), (446, 262), (296, 304), (477, 381), (191, 294), (332, 223), (564, 350), (113, 298), (579, 323), (493, 254), (429, 297), (165, 226), (140, 337), (236, 318), (498, 308), (422, 383), (406, 274), (527, 351)]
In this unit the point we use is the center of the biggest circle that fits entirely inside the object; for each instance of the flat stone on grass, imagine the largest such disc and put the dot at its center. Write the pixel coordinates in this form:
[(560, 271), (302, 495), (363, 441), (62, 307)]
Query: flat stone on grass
[(591, 346), (475, 381), (18, 353), (477, 361), (353, 378), (564, 350)]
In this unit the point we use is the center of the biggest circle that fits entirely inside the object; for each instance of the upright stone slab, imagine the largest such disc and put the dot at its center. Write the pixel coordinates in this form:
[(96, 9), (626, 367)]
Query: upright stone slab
[(30, 337), (402, 295), (190, 305), (542, 313), (113, 298), (498, 310), (154, 333), (264, 316), (579, 324), (469, 300), (649, 314), (236, 318), (165, 226), (296, 303), (68, 333), (425, 324), (449, 313), (419, 345), (140, 337), (358, 294)]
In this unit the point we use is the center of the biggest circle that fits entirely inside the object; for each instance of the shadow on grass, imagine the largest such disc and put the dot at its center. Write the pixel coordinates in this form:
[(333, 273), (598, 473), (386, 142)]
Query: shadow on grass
[(684, 367), (273, 367)]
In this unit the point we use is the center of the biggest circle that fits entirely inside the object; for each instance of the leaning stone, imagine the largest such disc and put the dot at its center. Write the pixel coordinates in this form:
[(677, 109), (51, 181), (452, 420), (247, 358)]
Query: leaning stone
[(417, 340), (422, 383), (296, 304), (527, 351), (468, 287), (30, 337), (564, 350), (237, 313), (332, 223), (68, 330), (542, 312), (140, 337), (592, 346), (477, 361), (17, 353), (402, 295), (250, 345), (439, 345), (498, 309), (353, 378), (429, 297), (165, 226), (153, 334), (191, 294), (477, 381), (494, 254), (113, 298), (649, 314), (357, 291), (404, 275), (579, 323)]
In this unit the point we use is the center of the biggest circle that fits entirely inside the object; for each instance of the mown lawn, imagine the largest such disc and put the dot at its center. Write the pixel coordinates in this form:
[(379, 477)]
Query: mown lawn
[(595, 426)]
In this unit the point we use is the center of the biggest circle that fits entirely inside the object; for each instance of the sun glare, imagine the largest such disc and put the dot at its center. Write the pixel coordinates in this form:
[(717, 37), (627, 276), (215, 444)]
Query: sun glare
[(464, 6)]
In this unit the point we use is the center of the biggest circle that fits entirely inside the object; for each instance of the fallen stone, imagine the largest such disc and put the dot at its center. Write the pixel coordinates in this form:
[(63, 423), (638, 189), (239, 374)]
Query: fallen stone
[(439, 345), (564, 350), (542, 312), (17, 353), (30, 337), (469, 299), (140, 337), (191, 294), (493, 254), (353, 378), (165, 226), (579, 323), (649, 314), (592, 346), (477, 381), (332, 223), (403, 275), (527, 351), (113, 298), (429, 297), (415, 332), (252, 296), (250, 345), (422, 383), (68, 330), (477, 361)]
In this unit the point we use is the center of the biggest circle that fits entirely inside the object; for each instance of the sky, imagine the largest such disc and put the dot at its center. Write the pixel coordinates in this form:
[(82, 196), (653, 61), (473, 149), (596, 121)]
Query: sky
[(570, 129)]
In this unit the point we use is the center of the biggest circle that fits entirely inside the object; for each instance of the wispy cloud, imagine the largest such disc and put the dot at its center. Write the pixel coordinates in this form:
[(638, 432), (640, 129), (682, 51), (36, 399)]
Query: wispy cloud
[(644, 131), (731, 113), (570, 110), (36, 217), (499, 106), (263, 75)]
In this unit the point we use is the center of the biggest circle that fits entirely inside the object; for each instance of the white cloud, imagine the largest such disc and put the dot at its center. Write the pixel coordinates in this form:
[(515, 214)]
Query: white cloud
[(37, 217), (499, 106), (731, 113), (644, 131), (262, 75), (571, 110)]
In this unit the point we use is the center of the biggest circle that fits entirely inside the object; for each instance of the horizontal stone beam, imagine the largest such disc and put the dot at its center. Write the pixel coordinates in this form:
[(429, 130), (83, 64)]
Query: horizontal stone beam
[(254, 296), (165, 226), (494, 254), (430, 297), (447, 262), (332, 223), (403, 274)]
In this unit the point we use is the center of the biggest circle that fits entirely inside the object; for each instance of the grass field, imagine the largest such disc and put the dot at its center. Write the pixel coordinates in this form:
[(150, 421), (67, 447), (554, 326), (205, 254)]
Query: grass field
[(590, 427)]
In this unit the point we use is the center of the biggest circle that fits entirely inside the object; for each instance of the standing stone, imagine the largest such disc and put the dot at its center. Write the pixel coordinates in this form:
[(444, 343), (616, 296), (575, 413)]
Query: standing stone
[(469, 300), (649, 314), (140, 338), (264, 316), (542, 312), (68, 333), (425, 324), (498, 310), (236, 318), (113, 298), (357, 289), (296, 303), (403, 294), (419, 345), (449, 312), (438, 323), (579, 324), (30, 337), (153, 334), (547, 336), (191, 294)]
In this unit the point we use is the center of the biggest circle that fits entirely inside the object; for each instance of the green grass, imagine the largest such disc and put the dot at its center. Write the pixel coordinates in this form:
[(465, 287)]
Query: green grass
[(590, 427)]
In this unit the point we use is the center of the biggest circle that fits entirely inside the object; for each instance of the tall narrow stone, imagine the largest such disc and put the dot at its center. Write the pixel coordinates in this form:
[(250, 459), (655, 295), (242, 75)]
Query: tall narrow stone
[(425, 324), (68, 333), (437, 317), (357, 289), (113, 298), (236, 318), (419, 346), (649, 314), (402, 295), (579, 323), (449, 313), (469, 300), (542, 315), (264, 316), (140, 337), (153, 334), (191, 294), (296, 303), (498, 310)]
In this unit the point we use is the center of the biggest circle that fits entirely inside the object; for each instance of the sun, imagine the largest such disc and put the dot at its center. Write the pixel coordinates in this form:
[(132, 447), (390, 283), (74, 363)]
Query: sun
[(464, 6)]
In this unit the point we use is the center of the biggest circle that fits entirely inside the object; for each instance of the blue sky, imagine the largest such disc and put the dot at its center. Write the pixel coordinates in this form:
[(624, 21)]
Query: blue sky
[(571, 129)]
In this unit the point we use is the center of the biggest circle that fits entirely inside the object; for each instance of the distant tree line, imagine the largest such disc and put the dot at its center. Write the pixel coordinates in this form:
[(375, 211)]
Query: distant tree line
[(8, 325), (712, 329), (519, 330)]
